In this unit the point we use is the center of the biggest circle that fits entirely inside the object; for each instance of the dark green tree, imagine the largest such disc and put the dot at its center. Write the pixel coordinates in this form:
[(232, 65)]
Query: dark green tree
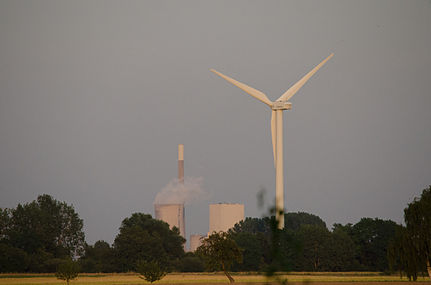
[(220, 251), (98, 258), (143, 238), (48, 224), (253, 225), (294, 221), (418, 223), (347, 228), (372, 238), (4, 223), (150, 271), (67, 270), (46, 230), (13, 259), (191, 263), (403, 255), (315, 248), (341, 252), (411, 250), (279, 250), (253, 246)]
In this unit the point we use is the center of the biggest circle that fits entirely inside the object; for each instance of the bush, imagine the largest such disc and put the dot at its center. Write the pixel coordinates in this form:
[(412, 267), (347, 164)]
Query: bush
[(12, 259), (191, 263), (67, 271), (150, 271)]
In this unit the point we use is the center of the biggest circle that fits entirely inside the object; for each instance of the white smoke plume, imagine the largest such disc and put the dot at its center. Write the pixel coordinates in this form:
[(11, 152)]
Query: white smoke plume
[(179, 193)]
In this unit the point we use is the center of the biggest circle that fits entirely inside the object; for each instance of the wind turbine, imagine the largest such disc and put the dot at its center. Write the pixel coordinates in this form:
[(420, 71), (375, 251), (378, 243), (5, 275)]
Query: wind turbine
[(277, 108)]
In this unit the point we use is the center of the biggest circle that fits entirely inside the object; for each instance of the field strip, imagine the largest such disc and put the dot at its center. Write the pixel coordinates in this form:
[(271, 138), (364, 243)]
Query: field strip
[(214, 278)]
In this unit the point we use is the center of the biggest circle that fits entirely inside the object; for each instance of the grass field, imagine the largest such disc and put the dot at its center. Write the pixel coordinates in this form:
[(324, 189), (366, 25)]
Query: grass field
[(349, 278)]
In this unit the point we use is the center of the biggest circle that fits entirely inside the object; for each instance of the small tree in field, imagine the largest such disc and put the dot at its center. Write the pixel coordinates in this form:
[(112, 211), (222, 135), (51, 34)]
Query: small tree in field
[(67, 271), (150, 271), (219, 251)]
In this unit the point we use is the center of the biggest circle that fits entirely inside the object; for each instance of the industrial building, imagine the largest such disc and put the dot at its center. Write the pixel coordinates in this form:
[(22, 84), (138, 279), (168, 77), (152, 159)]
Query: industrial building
[(195, 241), (224, 216), (173, 214)]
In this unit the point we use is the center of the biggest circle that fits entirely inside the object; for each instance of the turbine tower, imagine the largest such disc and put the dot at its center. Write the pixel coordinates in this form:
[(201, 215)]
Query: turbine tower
[(277, 108)]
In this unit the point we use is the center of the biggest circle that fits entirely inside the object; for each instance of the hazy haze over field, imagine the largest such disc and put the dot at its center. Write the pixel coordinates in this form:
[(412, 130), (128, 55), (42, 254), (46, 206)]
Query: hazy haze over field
[(95, 96)]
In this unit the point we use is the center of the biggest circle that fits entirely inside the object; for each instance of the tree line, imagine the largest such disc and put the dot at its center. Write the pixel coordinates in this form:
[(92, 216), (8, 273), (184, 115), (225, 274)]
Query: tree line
[(306, 244), (38, 236)]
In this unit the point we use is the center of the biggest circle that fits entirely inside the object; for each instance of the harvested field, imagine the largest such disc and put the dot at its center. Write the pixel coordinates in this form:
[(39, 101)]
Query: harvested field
[(299, 278)]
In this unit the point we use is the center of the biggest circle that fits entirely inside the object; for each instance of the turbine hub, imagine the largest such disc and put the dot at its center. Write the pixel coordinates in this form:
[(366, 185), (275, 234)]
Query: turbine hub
[(281, 105)]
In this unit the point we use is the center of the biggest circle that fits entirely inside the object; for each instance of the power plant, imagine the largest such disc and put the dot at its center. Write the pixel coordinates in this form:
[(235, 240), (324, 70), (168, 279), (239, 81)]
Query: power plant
[(181, 163), (224, 216), (195, 241), (173, 214)]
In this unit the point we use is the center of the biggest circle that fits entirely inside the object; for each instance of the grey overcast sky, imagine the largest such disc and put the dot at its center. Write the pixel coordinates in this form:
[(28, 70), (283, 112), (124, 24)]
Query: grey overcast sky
[(95, 96)]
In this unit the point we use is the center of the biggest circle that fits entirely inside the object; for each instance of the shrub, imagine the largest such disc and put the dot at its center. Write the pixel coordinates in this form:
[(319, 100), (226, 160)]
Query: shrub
[(150, 271), (67, 271)]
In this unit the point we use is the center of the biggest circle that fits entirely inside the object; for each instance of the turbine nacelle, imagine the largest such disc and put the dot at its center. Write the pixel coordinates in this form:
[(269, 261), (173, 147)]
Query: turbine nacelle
[(281, 105)]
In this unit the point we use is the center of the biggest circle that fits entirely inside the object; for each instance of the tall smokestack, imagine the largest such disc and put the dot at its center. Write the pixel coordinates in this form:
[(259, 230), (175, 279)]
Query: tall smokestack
[(181, 181), (181, 163), (169, 207)]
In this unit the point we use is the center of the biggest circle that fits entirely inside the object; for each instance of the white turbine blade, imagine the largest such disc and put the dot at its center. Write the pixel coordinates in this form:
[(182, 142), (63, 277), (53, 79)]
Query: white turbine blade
[(273, 135), (292, 90), (253, 92)]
